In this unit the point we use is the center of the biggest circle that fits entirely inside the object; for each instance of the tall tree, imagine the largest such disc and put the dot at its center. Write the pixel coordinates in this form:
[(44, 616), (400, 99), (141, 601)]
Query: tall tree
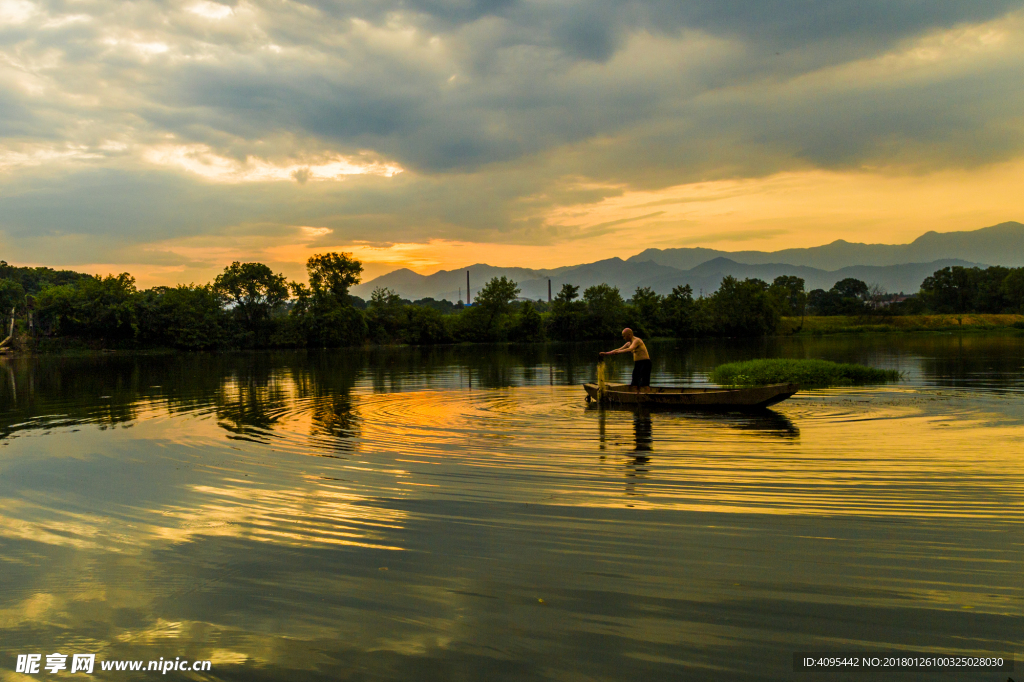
[(254, 290), (1013, 290), (567, 294), (325, 312), (12, 295), (566, 320), (331, 275), (606, 312), (743, 308), (950, 290), (788, 293), (386, 315), (496, 297), (680, 311), (647, 310)]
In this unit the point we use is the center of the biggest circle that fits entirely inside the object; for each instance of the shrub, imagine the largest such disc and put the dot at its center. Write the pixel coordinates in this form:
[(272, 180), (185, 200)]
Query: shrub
[(803, 372)]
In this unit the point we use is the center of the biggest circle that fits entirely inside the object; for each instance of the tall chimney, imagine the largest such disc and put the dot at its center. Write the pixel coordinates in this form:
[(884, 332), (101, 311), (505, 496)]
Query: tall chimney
[(549, 290), (468, 301)]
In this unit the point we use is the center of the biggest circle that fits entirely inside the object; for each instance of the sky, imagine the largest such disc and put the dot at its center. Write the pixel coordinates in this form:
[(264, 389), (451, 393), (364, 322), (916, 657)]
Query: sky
[(168, 139)]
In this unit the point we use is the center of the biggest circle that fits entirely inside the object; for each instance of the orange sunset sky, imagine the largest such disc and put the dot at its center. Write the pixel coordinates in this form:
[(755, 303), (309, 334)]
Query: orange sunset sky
[(169, 139)]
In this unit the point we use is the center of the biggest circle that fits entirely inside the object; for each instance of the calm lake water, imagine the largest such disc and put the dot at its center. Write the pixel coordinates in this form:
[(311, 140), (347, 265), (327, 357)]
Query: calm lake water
[(462, 514)]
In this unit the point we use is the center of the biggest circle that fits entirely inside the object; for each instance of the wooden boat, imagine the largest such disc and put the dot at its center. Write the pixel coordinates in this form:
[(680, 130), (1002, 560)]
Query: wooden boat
[(709, 398)]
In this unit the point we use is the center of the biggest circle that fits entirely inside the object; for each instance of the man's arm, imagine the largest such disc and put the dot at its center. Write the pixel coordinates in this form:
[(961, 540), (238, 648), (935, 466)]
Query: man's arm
[(626, 348)]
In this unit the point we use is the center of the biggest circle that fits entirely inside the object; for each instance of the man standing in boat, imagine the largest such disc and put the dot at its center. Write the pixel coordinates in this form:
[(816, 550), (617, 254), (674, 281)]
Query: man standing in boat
[(641, 359)]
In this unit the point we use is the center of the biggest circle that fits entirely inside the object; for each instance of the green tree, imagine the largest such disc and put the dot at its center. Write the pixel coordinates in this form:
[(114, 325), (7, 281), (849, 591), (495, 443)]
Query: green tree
[(787, 291), (331, 275), (645, 311), (426, 325), (1013, 290), (189, 317), (851, 288), (846, 297), (487, 318), (325, 313), (949, 290), (12, 296), (991, 296), (302, 298), (34, 280), (255, 291), (567, 294), (566, 320), (94, 308), (385, 315), (443, 306), (606, 312), (743, 308), (528, 326), (680, 312), (337, 325), (474, 324), (967, 290), (496, 297), (602, 299), (821, 302)]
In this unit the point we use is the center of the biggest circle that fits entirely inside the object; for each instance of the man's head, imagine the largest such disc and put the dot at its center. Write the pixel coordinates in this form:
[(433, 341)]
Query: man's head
[(627, 334)]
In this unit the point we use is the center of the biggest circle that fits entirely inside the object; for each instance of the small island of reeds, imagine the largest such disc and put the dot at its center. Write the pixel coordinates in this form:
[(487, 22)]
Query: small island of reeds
[(807, 373)]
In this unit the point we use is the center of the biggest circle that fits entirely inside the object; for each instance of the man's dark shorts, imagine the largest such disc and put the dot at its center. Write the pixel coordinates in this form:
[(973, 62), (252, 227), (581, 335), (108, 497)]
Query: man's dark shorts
[(641, 373)]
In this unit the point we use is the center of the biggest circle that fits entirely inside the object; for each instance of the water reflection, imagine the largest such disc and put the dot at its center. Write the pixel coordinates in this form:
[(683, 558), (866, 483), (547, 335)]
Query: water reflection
[(765, 422), (643, 433), (247, 514), (112, 388)]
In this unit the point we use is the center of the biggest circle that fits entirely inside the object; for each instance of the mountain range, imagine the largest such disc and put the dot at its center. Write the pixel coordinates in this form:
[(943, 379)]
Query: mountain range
[(894, 267)]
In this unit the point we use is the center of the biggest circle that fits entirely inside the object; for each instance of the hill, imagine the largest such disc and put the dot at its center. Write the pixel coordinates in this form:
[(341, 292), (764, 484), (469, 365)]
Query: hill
[(1001, 244), (706, 277), (895, 267), (627, 276)]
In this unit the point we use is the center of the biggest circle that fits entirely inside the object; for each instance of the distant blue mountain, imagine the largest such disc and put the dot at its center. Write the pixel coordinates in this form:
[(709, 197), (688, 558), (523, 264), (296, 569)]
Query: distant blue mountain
[(900, 267), (1001, 244)]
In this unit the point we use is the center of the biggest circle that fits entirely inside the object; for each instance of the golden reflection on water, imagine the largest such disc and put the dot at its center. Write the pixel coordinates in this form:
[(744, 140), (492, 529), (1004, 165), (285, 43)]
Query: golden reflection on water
[(288, 517), (890, 452), (251, 523)]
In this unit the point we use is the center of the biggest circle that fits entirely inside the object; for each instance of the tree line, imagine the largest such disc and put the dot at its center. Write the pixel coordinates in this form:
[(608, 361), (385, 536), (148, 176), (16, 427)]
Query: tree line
[(248, 305)]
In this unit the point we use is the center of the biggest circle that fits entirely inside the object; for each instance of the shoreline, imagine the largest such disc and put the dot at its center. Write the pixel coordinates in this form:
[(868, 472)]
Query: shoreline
[(901, 324), (974, 324)]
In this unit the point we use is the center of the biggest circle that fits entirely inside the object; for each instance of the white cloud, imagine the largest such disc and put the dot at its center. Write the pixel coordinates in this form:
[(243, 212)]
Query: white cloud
[(211, 10), (315, 231), (66, 20), (201, 160), (16, 12), (34, 156)]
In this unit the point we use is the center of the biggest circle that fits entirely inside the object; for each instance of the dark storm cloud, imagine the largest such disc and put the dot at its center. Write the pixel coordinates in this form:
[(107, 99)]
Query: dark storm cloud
[(518, 92), (582, 27), (803, 21)]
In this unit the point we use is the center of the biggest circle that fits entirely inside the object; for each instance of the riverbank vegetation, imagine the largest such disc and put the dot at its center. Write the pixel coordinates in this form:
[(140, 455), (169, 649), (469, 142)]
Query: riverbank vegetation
[(860, 324), (248, 305), (807, 373)]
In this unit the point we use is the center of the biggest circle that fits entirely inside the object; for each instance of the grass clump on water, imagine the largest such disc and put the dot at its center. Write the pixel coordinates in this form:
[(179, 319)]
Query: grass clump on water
[(804, 372)]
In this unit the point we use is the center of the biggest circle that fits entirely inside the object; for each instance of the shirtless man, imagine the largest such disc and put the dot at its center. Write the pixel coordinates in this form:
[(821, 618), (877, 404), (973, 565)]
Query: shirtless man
[(641, 359)]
